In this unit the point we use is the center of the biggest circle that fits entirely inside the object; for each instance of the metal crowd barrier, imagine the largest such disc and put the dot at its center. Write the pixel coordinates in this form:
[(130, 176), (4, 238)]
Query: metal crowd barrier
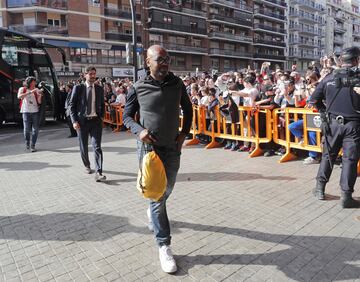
[(283, 118)]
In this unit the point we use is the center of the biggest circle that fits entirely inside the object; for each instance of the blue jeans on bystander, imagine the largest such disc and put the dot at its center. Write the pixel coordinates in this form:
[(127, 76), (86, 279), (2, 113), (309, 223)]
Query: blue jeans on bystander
[(31, 124)]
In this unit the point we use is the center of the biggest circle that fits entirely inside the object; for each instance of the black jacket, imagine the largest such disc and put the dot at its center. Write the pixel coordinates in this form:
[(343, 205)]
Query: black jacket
[(78, 102)]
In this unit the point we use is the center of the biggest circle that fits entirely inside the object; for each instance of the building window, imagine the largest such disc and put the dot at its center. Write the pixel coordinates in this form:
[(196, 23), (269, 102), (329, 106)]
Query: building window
[(167, 19), (196, 61), (227, 64), (196, 43), (215, 63), (95, 26), (29, 21), (53, 22), (95, 3)]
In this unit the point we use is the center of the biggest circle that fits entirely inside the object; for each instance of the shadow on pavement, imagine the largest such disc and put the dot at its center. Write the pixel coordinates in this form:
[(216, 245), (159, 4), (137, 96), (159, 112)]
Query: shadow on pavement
[(202, 176), (119, 150), (66, 227), (320, 250), (7, 166), (227, 176)]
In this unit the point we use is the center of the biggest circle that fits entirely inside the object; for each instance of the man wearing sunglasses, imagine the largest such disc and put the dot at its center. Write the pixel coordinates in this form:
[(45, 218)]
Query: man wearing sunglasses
[(158, 98)]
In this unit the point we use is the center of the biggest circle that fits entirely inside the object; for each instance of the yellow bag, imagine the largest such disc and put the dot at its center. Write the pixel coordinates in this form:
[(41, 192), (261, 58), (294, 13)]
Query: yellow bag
[(152, 181)]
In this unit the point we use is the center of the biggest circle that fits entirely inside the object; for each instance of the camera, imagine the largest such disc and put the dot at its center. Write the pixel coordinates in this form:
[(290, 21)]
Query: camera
[(347, 77)]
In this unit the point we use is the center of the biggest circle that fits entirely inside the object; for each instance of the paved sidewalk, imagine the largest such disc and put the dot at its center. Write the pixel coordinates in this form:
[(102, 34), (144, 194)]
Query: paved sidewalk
[(233, 218)]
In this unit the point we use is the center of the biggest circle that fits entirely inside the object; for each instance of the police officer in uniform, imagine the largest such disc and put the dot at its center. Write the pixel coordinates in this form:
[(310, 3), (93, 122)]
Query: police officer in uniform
[(341, 128)]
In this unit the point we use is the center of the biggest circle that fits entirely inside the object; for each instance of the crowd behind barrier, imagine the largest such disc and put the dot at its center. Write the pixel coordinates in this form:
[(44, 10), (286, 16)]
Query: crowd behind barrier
[(263, 112)]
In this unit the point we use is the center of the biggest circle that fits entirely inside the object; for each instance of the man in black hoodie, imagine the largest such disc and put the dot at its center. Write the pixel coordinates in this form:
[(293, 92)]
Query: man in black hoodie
[(157, 98)]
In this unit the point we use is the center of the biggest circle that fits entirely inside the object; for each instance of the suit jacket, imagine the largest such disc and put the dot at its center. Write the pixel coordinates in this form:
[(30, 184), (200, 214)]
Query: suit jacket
[(78, 103)]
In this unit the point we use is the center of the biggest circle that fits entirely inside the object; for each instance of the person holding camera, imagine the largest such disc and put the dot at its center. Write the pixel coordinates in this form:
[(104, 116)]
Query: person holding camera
[(31, 98), (341, 126), (157, 99)]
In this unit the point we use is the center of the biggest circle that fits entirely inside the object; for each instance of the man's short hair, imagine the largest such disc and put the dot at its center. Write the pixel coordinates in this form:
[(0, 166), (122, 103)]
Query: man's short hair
[(90, 68), (349, 54)]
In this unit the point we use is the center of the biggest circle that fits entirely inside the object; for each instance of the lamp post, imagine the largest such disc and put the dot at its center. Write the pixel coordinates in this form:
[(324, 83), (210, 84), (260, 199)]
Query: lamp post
[(134, 37)]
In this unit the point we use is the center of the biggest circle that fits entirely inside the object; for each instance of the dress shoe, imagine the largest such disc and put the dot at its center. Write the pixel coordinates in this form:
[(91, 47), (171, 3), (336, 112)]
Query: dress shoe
[(347, 201), (319, 191)]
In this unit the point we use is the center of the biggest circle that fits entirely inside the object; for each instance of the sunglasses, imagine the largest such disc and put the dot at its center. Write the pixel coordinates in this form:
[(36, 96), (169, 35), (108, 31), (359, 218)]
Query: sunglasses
[(163, 60)]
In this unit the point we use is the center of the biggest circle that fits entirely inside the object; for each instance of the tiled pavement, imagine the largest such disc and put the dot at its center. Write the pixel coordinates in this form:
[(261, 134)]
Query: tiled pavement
[(233, 218)]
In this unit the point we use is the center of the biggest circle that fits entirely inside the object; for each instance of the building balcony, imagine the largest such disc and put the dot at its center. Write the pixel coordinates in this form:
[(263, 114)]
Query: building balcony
[(118, 13), (247, 22), (269, 28), (174, 47), (356, 33), (304, 43), (268, 14), (260, 41), (310, 5), (231, 37), (41, 29), (339, 17), (302, 55), (312, 19), (178, 28), (231, 4), (307, 31), (116, 36), (338, 40), (269, 56), (53, 4), (339, 28), (277, 3), (230, 53), (177, 8)]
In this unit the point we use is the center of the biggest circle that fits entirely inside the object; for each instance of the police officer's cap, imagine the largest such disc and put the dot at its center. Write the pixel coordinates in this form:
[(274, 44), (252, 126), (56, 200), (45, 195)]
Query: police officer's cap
[(348, 54)]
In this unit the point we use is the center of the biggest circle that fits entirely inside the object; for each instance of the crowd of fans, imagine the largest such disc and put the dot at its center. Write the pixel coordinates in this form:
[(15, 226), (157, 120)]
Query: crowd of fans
[(262, 89)]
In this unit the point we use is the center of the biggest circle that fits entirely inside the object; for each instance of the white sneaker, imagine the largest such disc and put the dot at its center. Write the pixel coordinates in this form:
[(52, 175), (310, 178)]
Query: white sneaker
[(310, 160), (150, 224), (167, 260)]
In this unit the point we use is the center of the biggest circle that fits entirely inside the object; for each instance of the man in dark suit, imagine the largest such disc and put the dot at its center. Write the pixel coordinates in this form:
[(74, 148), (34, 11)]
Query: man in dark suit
[(87, 110)]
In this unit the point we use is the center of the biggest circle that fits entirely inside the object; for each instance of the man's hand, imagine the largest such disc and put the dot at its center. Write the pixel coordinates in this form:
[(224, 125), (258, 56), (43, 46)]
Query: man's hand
[(76, 125), (180, 140), (357, 90), (146, 137)]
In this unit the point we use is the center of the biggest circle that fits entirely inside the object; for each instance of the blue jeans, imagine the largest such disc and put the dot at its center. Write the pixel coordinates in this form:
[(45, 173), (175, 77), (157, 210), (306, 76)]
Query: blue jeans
[(31, 124), (170, 157), (297, 129)]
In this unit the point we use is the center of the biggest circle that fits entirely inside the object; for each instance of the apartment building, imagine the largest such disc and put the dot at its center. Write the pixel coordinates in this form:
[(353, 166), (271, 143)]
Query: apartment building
[(90, 31), (269, 30), (306, 37), (217, 35), (343, 25)]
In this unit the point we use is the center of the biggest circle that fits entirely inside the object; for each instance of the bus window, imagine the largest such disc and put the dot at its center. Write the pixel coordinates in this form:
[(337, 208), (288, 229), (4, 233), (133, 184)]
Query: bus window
[(9, 54), (45, 75)]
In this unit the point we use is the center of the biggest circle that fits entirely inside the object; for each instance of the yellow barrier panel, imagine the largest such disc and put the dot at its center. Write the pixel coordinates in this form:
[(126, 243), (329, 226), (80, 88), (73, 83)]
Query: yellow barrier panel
[(247, 129), (108, 119), (197, 126), (240, 131), (282, 135)]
